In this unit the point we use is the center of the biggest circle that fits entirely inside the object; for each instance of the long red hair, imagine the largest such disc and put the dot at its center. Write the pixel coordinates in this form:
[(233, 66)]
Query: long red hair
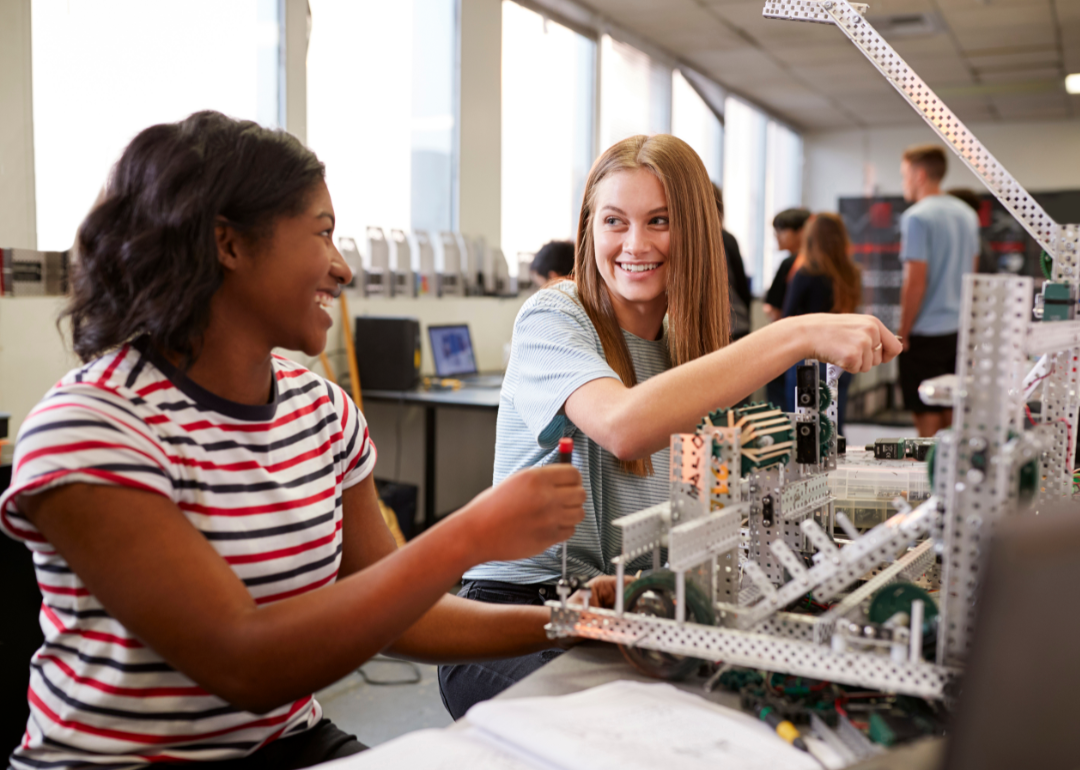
[(828, 253), (697, 296)]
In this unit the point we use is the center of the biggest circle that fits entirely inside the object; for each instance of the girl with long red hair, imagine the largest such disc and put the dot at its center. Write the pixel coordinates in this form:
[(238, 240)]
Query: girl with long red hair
[(632, 350)]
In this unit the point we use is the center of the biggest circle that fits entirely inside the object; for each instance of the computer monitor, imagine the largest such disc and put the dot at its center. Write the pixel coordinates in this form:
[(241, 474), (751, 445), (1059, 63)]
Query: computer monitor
[(451, 347)]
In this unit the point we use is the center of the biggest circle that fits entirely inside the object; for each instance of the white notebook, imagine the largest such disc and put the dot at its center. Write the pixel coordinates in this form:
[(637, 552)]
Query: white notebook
[(616, 726)]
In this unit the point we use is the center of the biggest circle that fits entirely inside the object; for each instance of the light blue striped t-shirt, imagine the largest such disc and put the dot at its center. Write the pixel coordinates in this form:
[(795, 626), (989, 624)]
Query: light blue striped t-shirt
[(555, 351)]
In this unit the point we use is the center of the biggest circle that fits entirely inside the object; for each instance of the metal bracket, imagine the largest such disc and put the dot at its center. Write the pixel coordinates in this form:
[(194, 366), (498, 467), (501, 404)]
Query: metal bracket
[(748, 648)]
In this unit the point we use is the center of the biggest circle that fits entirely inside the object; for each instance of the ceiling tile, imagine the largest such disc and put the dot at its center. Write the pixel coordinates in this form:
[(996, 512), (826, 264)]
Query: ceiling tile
[(891, 7), (1072, 58), (843, 78), (797, 56), (791, 96), (803, 71), (747, 17), (882, 120), (821, 119), (1039, 80), (1067, 10), (1015, 59), (930, 45), (948, 70), (977, 5), (995, 26), (874, 100), (1020, 107), (740, 64), (684, 41)]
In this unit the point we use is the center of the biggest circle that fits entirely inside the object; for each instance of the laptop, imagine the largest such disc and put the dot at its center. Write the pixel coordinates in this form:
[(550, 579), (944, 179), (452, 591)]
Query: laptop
[(452, 349)]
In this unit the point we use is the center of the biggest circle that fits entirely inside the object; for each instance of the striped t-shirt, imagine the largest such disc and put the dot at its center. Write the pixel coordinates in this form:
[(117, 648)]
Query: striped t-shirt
[(556, 350), (263, 484)]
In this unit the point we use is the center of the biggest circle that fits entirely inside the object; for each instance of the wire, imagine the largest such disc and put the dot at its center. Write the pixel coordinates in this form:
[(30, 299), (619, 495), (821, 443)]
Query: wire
[(1037, 380)]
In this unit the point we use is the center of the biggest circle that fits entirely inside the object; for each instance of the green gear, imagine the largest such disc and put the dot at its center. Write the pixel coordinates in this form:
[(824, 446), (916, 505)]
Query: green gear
[(761, 444), (1046, 262), (898, 597), (654, 594), (825, 432), (824, 396)]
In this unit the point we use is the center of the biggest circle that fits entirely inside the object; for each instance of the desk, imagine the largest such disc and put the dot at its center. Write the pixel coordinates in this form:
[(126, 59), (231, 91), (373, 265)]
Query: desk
[(590, 664), (431, 400)]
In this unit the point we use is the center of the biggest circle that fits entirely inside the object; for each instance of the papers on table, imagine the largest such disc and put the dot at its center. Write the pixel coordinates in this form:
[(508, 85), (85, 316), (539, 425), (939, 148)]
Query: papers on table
[(616, 726)]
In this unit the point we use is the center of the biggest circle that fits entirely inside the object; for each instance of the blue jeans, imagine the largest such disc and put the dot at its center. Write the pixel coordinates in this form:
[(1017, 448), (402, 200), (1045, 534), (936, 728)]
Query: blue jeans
[(464, 684), (841, 397)]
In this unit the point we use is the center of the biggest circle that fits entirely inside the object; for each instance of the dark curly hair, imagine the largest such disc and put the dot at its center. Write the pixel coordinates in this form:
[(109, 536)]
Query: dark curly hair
[(147, 257)]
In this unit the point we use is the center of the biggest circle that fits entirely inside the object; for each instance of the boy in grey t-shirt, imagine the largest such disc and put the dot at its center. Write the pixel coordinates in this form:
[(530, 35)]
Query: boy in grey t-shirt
[(939, 242)]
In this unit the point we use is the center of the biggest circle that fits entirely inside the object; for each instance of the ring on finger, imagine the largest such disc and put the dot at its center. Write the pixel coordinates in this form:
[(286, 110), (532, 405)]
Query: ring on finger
[(878, 347)]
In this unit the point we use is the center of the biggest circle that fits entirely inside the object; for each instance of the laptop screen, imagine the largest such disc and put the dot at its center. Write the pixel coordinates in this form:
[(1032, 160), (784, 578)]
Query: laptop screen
[(452, 349)]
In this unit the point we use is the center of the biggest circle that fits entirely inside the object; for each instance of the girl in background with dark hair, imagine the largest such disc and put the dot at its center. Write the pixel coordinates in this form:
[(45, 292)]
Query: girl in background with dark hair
[(632, 350), (202, 513), (829, 282)]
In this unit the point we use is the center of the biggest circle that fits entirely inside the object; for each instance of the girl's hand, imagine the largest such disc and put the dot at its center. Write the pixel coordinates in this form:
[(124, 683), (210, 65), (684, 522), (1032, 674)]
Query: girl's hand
[(852, 341), (527, 512), (603, 590)]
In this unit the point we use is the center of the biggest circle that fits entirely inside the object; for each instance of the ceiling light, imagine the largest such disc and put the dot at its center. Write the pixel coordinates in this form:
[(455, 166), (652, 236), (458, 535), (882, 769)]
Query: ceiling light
[(1072, 83)]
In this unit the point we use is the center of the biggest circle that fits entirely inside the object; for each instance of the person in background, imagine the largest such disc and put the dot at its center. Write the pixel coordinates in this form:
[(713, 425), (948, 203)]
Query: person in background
[(985, 262), (554, 262), (939, 242), (829, 282), (788, 226), (738, 284), (635, 348)]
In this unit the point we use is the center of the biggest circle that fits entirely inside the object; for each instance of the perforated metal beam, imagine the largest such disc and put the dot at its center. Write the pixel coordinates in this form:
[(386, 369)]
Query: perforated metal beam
[(756, 650), (1062, 242)]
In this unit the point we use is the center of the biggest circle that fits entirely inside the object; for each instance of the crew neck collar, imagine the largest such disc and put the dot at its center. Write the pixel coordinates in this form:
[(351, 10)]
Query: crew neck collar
[(661, 339), (203, 397)]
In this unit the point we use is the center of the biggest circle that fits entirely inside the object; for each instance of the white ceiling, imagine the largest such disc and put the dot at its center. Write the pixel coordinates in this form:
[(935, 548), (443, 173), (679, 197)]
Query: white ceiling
[(990, 60)]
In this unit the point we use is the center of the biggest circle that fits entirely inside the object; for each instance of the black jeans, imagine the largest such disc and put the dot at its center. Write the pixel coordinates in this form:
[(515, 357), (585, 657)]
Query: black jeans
[(464, 684), (321, 743)]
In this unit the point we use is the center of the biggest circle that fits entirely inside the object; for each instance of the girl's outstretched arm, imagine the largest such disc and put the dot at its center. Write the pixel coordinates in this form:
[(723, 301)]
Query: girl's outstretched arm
[(632, 423)]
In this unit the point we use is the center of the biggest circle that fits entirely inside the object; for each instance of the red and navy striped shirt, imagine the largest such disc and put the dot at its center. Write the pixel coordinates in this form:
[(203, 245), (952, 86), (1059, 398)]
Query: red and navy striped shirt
[(263, 484)]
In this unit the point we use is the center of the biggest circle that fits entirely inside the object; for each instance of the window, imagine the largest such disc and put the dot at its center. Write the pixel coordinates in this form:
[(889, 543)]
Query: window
[(762, 177), (547, 127), (744, 184), (382, 111), (130, 76), (435, 76), (697, 125), (783, 188), (635, 93)]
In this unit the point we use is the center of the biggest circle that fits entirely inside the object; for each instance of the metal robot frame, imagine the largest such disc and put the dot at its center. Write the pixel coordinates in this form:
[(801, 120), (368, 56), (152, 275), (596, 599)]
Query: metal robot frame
[(986, 467)]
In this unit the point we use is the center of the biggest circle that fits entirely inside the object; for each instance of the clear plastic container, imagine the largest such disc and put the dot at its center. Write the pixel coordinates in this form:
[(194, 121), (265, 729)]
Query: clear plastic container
[(864, 488)]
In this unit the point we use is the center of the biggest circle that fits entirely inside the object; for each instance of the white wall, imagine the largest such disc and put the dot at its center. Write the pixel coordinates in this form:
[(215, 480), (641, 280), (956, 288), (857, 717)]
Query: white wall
[(1042, 156)]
